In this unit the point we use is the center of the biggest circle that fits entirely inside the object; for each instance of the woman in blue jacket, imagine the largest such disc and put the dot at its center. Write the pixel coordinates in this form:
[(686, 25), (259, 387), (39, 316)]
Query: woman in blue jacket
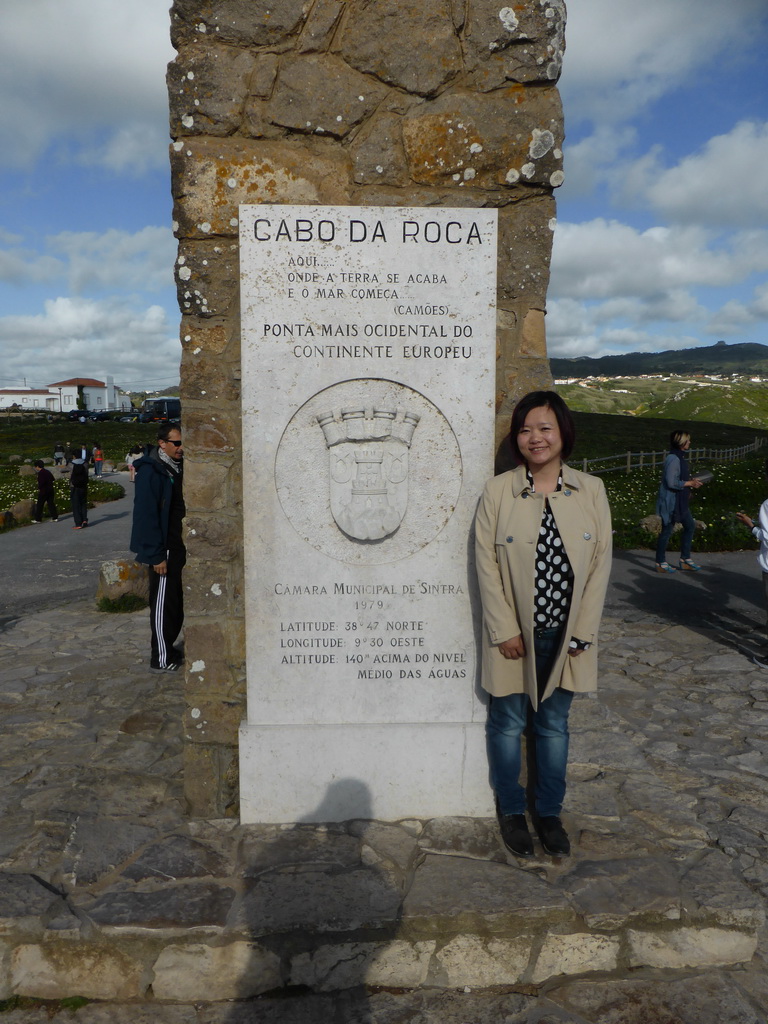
[(672, 503)]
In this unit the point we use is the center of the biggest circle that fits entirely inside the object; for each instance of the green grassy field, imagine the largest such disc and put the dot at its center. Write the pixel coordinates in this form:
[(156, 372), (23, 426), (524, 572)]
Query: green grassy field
[(737, 486), (35, 439), (601, 434)]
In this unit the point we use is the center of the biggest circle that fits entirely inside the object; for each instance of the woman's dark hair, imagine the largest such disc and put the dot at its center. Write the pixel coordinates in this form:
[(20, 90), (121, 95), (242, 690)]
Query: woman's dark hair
[(678, 438), (553, 401)]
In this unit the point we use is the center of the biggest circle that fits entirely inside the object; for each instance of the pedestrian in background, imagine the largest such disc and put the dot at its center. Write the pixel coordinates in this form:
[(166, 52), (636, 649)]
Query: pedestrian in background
[(672, 503), (98, 459), (45, 493), (78, 489), (59, 454), (135, 453), (81, 451), (156, 538)]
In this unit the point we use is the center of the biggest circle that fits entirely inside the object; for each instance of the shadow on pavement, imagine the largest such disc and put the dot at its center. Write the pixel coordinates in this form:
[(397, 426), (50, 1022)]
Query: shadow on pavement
[(326, 903), (723, 599)]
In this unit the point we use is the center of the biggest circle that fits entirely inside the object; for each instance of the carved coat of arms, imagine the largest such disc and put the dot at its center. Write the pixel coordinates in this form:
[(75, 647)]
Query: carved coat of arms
[(368, 451)]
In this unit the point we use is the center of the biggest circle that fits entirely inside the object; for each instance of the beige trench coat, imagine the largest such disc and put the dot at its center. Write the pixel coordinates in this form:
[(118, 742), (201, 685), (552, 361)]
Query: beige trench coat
[(506, 533)]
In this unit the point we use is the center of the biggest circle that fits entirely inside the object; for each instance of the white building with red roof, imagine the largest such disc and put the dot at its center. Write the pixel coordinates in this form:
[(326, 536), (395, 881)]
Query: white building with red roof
[(62, 396)]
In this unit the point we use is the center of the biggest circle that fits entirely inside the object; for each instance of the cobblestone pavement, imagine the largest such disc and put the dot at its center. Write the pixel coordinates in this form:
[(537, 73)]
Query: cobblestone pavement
[(107, 891), (60, 564)]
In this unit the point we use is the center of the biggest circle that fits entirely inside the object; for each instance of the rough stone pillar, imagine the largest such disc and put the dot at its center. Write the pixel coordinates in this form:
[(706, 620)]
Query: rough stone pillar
[(335, 102)]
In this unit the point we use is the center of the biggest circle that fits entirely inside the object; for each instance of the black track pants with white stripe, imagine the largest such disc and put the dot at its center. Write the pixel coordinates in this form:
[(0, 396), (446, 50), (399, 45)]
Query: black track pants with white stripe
[(166, 610)]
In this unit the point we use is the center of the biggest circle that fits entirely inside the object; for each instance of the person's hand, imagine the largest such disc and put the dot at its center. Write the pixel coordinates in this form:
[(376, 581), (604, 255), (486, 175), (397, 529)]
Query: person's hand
[(574, 652), (161, 568), (744, 518), (513, 649)]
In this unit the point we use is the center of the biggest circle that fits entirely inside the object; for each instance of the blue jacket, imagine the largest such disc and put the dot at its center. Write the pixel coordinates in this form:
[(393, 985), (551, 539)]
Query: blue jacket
[(672, 489), (151, 510)]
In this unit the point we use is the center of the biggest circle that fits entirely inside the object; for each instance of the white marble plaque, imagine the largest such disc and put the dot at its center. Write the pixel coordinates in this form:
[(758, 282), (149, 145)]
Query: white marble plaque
[(369, 351)]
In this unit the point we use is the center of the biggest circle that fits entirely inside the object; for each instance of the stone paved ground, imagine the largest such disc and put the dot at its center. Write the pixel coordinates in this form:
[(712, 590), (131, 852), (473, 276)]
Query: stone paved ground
[(107, 891)]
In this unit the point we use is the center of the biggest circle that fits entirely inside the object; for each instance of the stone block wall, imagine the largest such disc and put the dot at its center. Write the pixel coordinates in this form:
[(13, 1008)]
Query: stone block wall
[(336, 102)]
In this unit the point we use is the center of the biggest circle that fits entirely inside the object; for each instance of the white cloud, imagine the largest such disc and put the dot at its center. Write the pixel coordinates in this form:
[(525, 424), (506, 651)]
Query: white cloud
[(675, 305), (723, 184), (135, 148), (117, 259), (80, 69), (735, 316), (623, 55), (78, 337), (602, 259), (20, 266), (92, 261), (574, 329), (592, 159), (616, 288)]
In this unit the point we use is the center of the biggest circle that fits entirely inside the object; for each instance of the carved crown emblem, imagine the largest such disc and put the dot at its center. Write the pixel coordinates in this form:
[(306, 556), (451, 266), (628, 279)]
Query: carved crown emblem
[(368, 450)]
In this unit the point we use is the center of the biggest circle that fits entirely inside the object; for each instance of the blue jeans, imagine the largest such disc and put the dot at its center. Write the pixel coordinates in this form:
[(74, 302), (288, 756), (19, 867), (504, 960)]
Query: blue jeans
[(507, 719), (666, 533)]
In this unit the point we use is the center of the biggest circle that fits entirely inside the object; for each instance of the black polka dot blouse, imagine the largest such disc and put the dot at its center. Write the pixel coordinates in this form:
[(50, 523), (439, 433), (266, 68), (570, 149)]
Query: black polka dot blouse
[(554, 575)]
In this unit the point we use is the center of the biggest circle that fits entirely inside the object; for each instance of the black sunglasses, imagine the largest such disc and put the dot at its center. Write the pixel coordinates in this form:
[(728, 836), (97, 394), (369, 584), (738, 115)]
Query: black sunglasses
[(177, 443)]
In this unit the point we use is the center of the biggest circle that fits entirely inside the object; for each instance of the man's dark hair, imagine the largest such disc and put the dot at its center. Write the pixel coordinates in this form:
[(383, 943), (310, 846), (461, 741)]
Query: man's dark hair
[(553, 401), (39, 463), (164, 430)]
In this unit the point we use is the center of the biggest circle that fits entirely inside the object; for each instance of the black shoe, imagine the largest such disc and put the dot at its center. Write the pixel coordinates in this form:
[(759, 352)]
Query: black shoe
[(172, 666), (553, 836), (514, 832)]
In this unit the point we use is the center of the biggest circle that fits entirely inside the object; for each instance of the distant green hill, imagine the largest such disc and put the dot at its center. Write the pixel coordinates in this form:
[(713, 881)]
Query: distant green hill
[(748, 358), (682, 398)]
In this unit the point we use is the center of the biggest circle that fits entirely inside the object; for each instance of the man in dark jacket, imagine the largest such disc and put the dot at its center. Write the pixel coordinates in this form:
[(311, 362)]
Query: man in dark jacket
[(156, 538), (45, 495)]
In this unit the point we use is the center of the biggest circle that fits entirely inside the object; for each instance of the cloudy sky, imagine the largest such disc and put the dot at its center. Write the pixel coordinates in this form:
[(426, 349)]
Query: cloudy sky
[(662, 236)]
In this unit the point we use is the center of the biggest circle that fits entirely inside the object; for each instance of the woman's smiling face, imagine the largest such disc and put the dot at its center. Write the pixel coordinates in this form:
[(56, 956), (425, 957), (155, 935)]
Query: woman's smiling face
[(539, 438)]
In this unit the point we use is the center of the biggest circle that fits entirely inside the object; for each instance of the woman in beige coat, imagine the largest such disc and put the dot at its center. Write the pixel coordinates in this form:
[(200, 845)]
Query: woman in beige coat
[(543, 553)]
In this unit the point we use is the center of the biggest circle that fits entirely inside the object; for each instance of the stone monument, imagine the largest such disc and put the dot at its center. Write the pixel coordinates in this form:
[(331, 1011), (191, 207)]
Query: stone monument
[(440, 105), (369, 350)]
